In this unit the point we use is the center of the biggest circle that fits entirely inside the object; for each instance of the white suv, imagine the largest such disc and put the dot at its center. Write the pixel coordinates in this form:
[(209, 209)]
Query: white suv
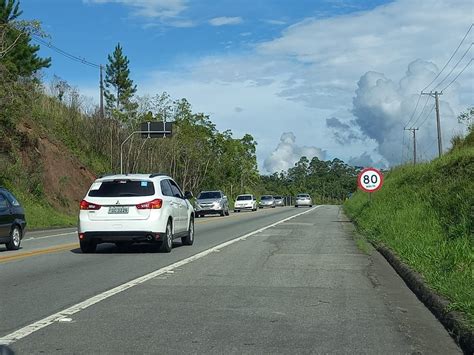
[(135, 208)]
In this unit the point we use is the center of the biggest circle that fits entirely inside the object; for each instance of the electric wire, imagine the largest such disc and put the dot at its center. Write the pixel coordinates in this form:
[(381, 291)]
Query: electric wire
[(455, 66), (457, 76), (413, 113), (64, 53), (440, 72), (421, 113), (427, 116), (451, 58)]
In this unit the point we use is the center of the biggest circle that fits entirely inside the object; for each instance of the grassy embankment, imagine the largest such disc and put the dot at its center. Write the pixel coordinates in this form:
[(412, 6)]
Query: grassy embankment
[(425, 214), (59, 123)]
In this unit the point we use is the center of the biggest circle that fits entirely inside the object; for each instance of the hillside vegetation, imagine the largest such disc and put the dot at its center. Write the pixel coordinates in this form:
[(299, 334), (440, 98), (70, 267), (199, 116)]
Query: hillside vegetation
[(53, 143), (425, 214)]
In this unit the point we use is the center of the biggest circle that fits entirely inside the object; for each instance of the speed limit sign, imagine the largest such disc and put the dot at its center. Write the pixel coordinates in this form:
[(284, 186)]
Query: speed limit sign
[(370, 180)]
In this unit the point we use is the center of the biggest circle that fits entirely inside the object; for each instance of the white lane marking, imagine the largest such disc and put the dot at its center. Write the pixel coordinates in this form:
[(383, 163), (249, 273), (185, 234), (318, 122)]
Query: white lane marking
[(51, 236), (66, 313)]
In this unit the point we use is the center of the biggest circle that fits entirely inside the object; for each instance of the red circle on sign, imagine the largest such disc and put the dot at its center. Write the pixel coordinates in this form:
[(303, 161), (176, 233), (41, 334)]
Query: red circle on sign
[(377, 172)]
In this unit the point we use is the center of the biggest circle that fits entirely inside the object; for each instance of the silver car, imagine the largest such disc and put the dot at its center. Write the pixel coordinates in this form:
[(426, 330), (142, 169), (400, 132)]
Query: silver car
[(266, 201), (279, 201), (303, 200), (212, 202)]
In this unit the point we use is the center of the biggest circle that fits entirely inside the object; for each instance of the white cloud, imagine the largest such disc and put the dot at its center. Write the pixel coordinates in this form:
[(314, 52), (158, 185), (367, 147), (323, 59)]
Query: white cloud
[(287, 153), (223, 21), (310, 73), (275, 22), (382, 107), (161, 9)]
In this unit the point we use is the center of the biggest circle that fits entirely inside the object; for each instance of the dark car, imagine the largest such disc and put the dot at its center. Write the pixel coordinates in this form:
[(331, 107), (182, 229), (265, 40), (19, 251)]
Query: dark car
[(12, 220)]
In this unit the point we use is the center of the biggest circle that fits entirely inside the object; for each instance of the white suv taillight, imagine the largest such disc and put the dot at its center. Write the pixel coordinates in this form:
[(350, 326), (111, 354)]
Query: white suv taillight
[(84, 205), (151, 205)]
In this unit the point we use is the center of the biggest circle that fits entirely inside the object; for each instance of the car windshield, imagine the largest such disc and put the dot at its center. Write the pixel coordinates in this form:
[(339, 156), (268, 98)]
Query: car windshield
[(122, 188), (277, 197), (267, 198), (209, 195), (244, 198), (303, 196)]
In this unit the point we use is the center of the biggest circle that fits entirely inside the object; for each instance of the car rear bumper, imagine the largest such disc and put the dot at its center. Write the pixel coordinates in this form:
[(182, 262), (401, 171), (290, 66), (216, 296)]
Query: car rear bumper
[(303, 203), (121, 236), (209, 211)]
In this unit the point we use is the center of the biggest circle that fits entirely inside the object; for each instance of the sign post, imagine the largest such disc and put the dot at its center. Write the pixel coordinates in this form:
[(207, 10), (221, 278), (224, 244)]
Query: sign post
[(370, 180), (149, 130)]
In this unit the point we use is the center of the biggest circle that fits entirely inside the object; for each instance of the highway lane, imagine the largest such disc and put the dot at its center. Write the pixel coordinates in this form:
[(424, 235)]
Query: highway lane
[(50, 273), (300, 286)]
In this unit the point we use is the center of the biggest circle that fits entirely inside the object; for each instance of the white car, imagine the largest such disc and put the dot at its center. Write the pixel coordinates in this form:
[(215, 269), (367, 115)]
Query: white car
[(245, 202), (135, 208), (303, 200)]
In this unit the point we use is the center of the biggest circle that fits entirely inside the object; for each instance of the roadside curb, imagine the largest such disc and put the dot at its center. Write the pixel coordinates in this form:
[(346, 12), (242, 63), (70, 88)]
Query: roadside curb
[(453, 321)]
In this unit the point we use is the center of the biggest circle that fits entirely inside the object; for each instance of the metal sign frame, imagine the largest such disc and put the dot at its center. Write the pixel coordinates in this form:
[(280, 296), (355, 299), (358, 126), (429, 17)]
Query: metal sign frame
[(148, 134)]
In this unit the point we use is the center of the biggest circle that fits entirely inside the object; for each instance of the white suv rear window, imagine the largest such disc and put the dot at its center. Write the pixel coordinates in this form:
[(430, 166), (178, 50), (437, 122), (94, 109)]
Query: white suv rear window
[(122, 188)]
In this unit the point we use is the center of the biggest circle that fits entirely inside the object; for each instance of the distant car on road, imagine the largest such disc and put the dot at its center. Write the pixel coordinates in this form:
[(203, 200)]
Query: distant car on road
[(266, 201), (279, 201), (135, 208), (12, 220), (245, 202), (212, 202), (303, 200)]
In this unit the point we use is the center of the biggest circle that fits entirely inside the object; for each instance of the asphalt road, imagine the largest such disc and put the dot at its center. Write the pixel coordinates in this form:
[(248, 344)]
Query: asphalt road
[(298, 286)]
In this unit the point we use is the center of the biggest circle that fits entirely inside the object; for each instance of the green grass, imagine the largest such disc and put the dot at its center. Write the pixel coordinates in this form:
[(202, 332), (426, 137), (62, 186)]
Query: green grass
[(425, 214), (39, 214)]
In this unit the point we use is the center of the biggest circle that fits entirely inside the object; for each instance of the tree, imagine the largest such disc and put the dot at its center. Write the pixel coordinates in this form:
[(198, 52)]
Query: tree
[(119, 88), (467, 117), (18, 56)]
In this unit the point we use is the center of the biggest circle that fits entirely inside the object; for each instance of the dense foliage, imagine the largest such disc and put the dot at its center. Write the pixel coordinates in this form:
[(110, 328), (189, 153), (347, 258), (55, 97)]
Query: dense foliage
[(329, 181)]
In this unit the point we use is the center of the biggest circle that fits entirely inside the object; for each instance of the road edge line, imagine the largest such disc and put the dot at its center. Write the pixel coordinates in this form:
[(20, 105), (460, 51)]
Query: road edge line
[(45, 322)]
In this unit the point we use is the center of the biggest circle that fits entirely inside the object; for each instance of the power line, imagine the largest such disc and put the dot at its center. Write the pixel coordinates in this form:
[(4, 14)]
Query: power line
[(64, 53), (451, 58), (457, 76), (421, 113), (427, 116), (438, 75), (452, 69), (413, 113), (79, 60)]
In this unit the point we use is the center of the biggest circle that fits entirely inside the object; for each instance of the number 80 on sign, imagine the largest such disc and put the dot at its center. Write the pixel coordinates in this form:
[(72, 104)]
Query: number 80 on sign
[(370, 180)]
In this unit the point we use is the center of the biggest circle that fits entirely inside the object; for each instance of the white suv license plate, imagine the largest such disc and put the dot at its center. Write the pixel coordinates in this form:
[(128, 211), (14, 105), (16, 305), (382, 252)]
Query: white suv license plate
[(118, 210)]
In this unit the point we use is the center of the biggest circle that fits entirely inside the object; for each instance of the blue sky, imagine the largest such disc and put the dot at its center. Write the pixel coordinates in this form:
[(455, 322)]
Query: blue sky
[(330, 78), (91, 29)]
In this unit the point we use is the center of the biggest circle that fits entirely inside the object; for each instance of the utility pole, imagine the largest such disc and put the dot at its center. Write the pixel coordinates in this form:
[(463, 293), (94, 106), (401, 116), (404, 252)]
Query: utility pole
[(414, 142), (101, 108), (436, 95)]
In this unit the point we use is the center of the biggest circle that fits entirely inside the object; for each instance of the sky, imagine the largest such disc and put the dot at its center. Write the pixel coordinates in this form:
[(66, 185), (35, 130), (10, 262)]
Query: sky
[(327, 79)]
